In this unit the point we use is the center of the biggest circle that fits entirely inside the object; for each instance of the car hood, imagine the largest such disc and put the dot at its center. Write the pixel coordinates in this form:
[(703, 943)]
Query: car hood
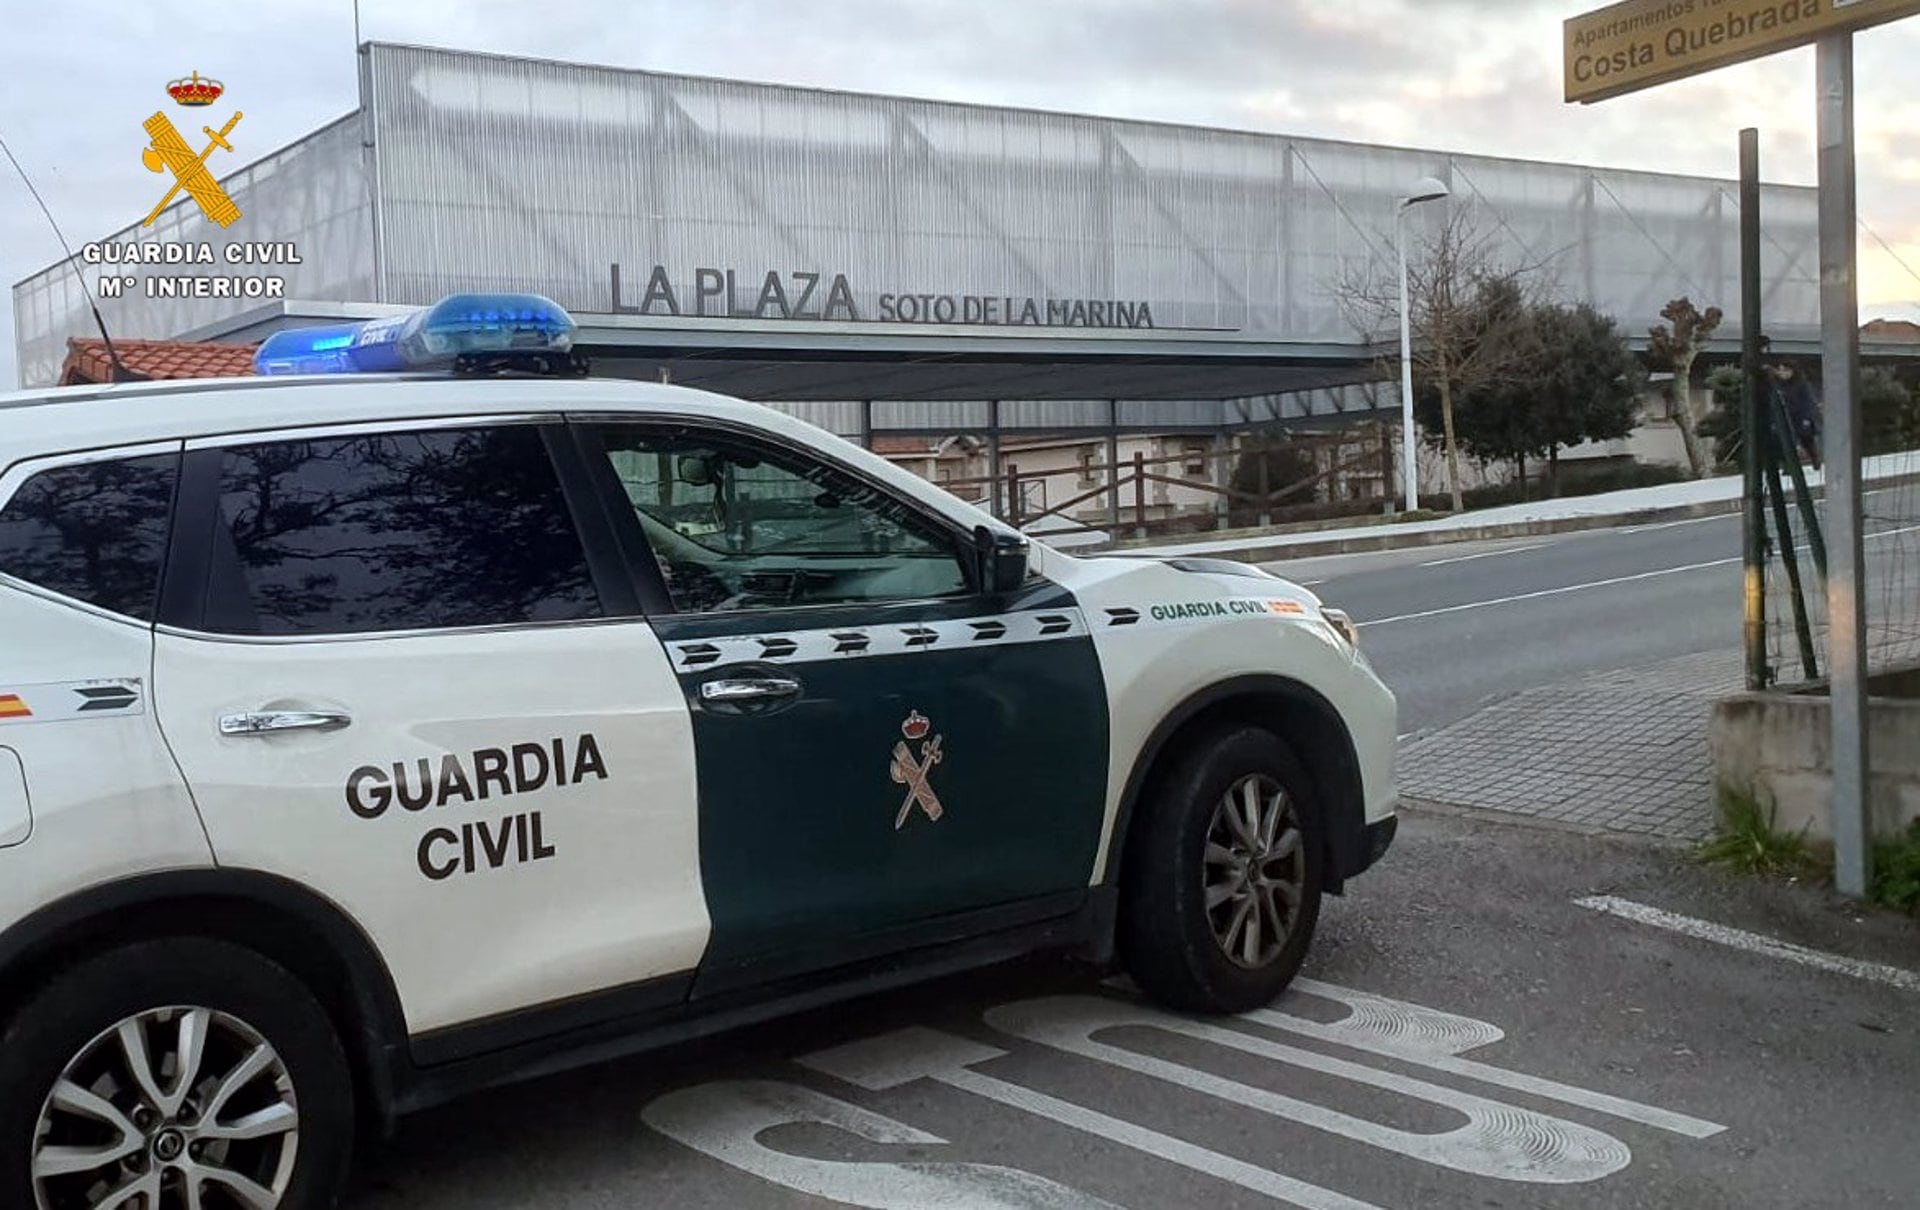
[(1236, 576), (1229, 577)]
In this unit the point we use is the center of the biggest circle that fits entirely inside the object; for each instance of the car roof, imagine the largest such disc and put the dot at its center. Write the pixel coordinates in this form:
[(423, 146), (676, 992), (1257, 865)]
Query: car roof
[(61, 420), (69, 420)]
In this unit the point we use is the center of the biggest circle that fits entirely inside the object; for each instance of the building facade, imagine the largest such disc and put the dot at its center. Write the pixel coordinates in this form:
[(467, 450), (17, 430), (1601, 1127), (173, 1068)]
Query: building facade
[(1052, 287), (678, 213)]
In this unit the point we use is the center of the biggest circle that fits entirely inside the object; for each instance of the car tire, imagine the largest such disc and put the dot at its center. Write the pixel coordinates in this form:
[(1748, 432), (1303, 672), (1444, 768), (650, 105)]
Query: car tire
[(90, 1065), (1203, 888)]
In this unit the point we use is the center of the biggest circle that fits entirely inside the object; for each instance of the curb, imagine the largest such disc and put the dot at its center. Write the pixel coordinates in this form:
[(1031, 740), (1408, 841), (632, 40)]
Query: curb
[(1436, 809), (1274, 552)]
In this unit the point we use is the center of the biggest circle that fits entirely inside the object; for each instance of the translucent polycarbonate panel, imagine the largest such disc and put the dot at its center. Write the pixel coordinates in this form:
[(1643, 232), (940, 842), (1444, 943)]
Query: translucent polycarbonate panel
[(1170, 413), (934, 415), (1043, 414), (1331, 404), (313, 194), (490, 178), (494, 173), (840, 419)]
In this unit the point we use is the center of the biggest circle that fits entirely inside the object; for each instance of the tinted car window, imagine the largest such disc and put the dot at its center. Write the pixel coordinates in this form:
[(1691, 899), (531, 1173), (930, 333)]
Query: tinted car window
[(738, 525), (96, 532), (391, 531)]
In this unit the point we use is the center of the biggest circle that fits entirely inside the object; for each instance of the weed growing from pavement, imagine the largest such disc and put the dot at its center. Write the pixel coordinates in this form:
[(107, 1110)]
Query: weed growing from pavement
[(1747, 840), (1749, 843), (1896, 871)]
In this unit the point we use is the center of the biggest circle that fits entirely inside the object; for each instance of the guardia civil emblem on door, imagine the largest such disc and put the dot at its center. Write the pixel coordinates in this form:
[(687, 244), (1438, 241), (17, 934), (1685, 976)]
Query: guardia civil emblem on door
[(914, 770)]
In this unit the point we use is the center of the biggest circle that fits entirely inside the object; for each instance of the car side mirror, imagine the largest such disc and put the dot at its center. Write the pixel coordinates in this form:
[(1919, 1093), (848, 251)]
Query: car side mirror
[(1002, 558)]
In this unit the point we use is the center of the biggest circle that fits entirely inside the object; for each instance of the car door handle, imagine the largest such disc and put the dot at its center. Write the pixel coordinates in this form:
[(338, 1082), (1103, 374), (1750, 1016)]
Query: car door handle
[(734, 690), (271, 722)]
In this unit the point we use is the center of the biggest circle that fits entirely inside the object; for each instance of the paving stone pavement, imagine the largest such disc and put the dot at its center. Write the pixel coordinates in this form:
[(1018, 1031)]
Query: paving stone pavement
[(1622, 751)]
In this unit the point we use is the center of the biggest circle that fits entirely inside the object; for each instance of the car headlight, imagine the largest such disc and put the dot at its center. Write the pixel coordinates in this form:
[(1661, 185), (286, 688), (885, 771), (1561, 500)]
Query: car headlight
[(1343, 625)]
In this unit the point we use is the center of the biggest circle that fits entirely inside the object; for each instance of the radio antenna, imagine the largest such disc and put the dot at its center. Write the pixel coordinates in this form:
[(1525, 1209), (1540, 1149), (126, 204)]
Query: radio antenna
[(120, 371)]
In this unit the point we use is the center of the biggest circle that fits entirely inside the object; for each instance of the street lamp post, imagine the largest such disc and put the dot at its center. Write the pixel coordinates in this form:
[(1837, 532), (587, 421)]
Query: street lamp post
[(1426, 189)]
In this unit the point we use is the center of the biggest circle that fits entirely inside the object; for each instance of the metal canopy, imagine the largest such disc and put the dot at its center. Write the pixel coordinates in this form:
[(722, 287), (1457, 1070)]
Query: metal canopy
[(1052, 380), (825, 362)]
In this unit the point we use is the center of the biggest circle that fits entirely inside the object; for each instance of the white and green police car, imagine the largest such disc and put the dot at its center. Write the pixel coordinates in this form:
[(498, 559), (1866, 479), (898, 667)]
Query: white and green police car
[(367, 738)]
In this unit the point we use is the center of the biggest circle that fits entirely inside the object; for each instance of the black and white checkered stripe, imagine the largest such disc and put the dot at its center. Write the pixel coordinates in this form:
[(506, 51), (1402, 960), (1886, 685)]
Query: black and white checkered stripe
[(855, 642)]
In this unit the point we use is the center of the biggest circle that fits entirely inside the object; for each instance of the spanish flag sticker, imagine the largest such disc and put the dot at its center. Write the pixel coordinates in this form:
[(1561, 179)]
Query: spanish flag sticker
[(12, 707), (1289, 607)]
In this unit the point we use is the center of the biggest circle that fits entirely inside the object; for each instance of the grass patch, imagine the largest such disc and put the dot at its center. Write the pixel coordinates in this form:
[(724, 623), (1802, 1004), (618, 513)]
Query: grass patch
[(1749, 842), (1896, 871)]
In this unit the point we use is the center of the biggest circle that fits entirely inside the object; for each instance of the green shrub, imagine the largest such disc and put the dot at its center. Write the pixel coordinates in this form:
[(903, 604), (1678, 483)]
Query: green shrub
[(1747, 840), (1896, 871)]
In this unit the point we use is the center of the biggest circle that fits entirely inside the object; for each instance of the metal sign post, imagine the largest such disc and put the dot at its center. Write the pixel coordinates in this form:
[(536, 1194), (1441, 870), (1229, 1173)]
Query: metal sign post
[(1754, 518), (1636, 44), (1840, 365)]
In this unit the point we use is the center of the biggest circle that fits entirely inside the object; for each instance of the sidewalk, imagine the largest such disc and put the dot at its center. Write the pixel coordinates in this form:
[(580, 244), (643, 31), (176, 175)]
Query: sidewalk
[(1635, 506), (1621, 751)]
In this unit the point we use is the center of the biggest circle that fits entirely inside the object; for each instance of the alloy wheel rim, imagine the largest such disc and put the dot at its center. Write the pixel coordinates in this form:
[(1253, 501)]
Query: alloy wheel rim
[(177, 1108), (1255, 868)]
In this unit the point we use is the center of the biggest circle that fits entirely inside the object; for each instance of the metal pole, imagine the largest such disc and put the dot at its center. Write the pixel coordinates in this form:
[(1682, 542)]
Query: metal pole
[(1410, 473), (1753, 522), (1789, 558), (993, 459), (1840, 366), (1789, 454), (1113, 464)]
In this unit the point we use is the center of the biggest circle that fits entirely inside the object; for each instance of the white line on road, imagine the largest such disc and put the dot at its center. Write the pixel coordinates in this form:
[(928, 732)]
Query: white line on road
[(1435, 1040), (1161, 1146), (1647, 529), (1740, 939), (1608, 583), (1551, 592), (1487, 554)]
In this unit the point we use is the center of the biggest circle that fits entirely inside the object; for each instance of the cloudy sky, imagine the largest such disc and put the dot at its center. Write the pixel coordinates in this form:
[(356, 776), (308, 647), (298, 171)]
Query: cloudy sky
[(1467, 75)]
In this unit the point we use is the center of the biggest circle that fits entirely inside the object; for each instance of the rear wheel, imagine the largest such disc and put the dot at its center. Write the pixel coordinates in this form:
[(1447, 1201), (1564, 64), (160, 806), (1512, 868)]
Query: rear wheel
[(1221, 892), (182, 1074)]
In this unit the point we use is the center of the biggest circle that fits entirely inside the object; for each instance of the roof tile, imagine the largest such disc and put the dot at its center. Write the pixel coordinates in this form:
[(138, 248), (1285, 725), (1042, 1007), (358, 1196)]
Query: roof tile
[(156, 359)]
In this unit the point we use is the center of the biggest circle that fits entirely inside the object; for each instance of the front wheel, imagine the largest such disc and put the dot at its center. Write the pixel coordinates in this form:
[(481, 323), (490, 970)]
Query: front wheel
[(184, 1074), (1221, 890)]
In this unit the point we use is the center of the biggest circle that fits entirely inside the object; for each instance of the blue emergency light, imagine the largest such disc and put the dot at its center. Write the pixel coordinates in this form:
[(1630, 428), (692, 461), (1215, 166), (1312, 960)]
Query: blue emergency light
[(460, 326)]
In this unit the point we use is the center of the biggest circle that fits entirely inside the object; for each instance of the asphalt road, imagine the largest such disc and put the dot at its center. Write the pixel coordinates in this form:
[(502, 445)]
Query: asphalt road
[(1452, 626), (1470, 1036)]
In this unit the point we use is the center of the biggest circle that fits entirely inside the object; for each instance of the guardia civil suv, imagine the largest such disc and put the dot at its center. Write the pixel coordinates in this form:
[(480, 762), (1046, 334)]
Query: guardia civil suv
[(367, 737)]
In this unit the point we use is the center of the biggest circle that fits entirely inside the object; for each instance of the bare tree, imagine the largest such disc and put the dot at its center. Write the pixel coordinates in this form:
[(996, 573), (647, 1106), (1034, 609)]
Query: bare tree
[(1468, 296), (1676, 348)]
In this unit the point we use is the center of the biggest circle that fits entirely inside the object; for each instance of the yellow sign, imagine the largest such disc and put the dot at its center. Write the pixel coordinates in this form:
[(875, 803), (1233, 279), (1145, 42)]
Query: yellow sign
[(1639, 43), (167, 151)]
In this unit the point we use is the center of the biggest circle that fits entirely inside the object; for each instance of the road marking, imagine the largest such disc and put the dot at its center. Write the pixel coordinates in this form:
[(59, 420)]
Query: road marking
[(1433, 1039), (1552, 592), (1608, 583), (1740, 939), (917, 1053), (1487, 554), (1647, 529), (1496, 1140), (725, 1120)]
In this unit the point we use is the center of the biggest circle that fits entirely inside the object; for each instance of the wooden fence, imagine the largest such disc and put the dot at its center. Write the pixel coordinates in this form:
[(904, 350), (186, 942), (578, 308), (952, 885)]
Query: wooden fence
[(1127, 483)]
